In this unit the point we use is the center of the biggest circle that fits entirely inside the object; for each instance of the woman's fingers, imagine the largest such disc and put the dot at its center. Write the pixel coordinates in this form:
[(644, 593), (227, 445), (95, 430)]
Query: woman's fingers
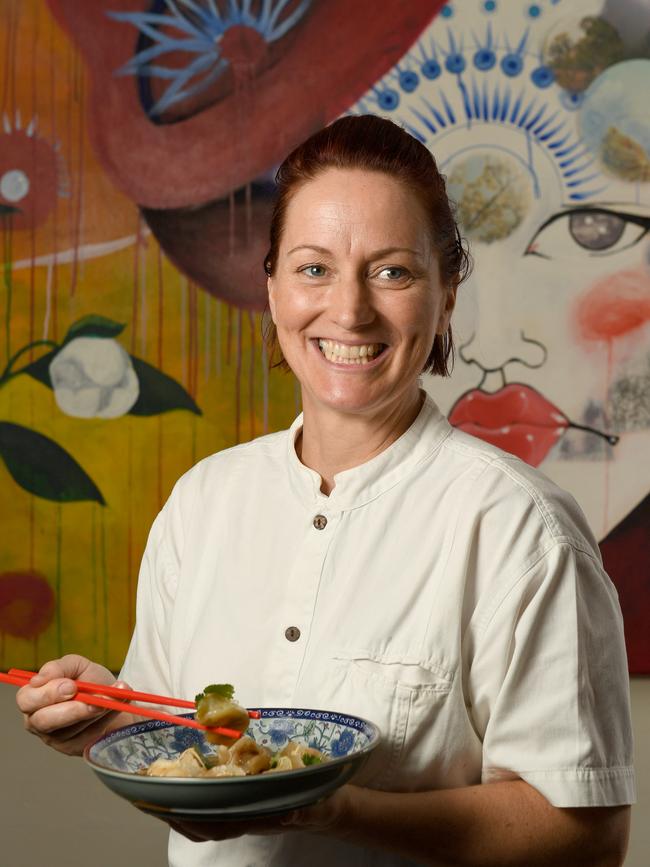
[(31, 699), (70, 666), (47, 706), (47, 710)]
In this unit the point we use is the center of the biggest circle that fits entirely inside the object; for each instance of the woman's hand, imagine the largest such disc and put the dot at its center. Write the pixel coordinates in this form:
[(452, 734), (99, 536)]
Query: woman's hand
[(49, 712), (322, 818)]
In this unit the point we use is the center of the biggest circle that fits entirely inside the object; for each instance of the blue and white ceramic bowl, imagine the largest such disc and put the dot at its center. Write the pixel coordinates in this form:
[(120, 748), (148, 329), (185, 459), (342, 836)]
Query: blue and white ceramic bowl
[(347, 741)]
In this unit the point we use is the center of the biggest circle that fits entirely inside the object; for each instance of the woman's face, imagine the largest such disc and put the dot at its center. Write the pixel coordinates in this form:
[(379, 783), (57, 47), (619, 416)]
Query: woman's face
[(356, 294)]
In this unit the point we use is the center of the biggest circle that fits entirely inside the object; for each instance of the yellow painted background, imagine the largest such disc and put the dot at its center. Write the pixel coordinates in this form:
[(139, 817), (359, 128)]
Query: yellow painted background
[(87, 553)]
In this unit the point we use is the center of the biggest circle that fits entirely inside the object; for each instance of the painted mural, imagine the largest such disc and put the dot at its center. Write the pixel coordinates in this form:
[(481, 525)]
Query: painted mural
[(138, 144)]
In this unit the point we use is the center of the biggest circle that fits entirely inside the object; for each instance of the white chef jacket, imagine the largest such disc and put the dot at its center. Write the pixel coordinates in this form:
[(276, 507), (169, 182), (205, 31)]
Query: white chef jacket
[(444, 590)]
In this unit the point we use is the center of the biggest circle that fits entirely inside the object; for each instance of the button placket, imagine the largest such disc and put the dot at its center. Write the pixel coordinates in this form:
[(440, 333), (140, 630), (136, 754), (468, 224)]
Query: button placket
[(287, 654)]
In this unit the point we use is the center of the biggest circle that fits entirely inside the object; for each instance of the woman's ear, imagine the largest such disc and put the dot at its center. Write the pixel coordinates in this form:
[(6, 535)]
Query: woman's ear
[(270, 288), (445, 315)]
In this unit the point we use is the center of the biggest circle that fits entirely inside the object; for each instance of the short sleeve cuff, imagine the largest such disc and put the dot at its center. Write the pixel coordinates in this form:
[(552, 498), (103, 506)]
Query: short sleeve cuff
[(575, 787)]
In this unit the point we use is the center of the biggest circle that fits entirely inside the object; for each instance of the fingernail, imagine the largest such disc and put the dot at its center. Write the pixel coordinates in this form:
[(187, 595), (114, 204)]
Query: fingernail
[(66, 690)]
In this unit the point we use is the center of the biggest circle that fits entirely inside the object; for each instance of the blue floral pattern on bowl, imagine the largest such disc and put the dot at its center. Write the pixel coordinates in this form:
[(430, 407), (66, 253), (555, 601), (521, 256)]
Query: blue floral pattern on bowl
[(347, 742), (131, 748)]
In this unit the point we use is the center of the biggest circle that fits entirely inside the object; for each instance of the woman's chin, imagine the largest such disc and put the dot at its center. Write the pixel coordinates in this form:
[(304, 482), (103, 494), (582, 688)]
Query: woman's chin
[(353, 399)]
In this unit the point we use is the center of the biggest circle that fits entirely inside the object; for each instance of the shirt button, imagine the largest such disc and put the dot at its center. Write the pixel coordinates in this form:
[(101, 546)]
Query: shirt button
[(292, 633), (320, 522)]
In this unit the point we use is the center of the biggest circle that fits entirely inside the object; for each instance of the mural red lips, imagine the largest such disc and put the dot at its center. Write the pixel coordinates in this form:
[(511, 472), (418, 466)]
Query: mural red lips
[(340, 50), (516, 418)]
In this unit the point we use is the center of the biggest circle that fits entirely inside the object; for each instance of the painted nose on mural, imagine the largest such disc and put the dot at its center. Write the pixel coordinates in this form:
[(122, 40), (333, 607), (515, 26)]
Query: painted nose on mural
[(495, 337), (498, 351)]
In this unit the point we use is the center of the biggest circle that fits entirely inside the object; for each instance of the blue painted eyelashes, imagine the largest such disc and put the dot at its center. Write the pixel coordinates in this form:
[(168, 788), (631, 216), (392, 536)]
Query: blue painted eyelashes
[(196, 29)]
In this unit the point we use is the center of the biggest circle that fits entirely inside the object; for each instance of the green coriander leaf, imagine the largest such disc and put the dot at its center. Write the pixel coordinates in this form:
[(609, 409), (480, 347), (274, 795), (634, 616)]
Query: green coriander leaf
[(309, 759), (224, 690)]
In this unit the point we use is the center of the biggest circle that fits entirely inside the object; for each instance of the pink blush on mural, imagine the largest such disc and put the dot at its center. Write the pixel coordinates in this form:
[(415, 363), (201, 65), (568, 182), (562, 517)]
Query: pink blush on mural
[(614, 307)]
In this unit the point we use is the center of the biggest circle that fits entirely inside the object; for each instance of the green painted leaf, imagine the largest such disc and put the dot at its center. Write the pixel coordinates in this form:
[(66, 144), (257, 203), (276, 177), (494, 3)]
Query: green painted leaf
[(159, 392), (43, 468), (40, 369), (93, 326)]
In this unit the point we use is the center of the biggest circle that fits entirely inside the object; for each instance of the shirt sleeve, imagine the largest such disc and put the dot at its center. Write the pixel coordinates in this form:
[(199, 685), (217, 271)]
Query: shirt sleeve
[(548, 685), (146, 666)]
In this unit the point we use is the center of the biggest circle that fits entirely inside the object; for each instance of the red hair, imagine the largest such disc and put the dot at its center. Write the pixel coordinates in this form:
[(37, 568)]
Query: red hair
[(374, 144)]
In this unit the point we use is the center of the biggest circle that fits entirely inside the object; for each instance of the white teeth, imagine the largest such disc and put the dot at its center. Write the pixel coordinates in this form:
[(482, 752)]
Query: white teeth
[(342, 353)]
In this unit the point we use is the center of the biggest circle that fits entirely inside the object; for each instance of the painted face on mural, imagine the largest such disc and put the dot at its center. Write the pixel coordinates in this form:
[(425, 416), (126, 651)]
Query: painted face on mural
[(356, 296), (537, 120)]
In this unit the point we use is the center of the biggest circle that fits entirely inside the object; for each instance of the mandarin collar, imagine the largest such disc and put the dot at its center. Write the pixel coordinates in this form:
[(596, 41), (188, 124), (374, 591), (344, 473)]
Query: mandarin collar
[(358, 485)]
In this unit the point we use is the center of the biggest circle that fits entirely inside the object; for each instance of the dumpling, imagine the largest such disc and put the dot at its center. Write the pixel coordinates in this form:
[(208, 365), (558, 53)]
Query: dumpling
[(215, 707)]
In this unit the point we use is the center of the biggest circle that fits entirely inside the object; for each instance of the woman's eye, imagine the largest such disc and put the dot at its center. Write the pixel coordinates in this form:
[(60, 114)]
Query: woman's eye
[(393, 273), (314, 270), (587, 231)]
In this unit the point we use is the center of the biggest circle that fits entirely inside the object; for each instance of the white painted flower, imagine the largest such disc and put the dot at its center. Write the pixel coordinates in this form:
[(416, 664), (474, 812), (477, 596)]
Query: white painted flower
[(93, 377)]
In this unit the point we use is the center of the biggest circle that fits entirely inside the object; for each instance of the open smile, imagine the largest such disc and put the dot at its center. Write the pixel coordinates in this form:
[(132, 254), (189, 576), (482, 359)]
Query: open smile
[(351, 357)]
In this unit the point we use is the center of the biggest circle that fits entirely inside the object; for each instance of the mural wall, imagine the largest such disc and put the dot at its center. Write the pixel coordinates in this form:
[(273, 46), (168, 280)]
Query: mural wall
[(137, 149)]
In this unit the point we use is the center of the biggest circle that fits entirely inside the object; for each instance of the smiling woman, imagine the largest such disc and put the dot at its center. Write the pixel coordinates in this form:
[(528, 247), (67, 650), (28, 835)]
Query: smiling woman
[(363, 268), (403, 571), (417, 185), (352, 293)]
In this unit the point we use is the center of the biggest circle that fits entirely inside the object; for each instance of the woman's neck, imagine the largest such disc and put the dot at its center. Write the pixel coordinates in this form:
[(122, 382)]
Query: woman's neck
[(331, 442)]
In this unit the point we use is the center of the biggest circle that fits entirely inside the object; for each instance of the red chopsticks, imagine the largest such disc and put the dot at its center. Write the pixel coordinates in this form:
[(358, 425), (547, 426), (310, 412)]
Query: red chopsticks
[(101, 689), (126, 694), (19, 677)]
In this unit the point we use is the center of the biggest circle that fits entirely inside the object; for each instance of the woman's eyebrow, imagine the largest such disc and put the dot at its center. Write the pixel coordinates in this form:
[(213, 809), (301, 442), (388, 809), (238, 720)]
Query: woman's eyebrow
[(388, 250), (314, 247), (374, 255)]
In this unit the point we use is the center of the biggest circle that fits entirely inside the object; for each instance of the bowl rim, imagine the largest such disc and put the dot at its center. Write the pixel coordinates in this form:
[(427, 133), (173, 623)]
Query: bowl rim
[(271, 713)]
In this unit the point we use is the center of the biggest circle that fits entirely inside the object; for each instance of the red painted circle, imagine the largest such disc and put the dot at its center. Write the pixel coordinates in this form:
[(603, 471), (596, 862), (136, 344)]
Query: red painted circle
[(27, 604), (244, 49)]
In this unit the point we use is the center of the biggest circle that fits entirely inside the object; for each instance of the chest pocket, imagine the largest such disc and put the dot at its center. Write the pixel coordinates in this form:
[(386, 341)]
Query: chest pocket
[(406, 700)]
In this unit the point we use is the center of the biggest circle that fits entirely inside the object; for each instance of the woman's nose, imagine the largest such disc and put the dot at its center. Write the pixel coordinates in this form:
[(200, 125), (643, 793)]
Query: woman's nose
[(350, 304)]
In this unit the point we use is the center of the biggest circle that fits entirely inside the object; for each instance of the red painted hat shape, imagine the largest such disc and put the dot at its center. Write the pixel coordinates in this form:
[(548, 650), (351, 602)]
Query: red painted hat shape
[(191, 99)]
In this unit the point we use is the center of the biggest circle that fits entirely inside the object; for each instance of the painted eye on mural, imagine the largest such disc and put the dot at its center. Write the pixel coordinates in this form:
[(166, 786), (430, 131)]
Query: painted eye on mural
[(192, 55), (14, 185), (33, 175), (597, 231)]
